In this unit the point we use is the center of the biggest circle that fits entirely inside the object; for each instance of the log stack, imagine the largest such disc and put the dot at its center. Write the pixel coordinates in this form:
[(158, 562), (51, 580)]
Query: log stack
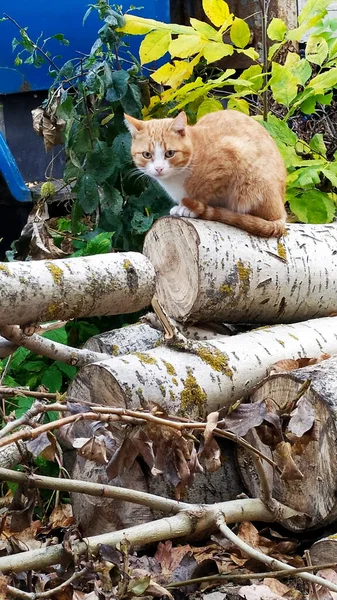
[(210, 273)]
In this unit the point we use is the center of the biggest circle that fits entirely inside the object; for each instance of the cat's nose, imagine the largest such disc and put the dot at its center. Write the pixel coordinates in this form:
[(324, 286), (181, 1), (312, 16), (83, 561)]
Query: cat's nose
[(159, 170)]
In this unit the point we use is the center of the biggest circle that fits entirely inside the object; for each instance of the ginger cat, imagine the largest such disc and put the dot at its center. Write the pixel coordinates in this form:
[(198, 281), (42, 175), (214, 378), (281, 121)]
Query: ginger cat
[(225, 168)]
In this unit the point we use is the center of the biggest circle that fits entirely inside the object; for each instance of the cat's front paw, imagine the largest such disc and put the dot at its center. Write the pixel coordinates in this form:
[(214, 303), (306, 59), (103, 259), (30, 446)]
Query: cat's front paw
[(182, 211)]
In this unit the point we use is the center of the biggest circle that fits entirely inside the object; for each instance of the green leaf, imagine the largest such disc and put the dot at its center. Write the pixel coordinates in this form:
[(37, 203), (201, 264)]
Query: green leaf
[(316, 50), (57, 335), (101, 162), (24, 404), (283, 84), (206, 31), (33, 366), (313, 8), (154, 46), (100, 244), (18, 61), (141, 223), (279, 130), (324, 81), (254, 75), (240, 33), (138, 585), (300, 68), (118, 87), (217, 11), (276, 30), (121, 146), (317, 144), (52, 379), (309, 105), (18, 357), (208, 106), (87, 193), (331, 176), (132, 101), (313, 206), (273, 49), (239, 104), (76, 214), (66, 109)]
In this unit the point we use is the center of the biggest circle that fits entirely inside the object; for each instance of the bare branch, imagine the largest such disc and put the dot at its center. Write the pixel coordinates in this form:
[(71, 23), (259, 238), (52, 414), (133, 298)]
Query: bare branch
[(268, 560), (49, 593)]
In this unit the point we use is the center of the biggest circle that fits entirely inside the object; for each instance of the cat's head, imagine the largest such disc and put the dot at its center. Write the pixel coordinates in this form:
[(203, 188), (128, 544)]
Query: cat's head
[(160, 148)]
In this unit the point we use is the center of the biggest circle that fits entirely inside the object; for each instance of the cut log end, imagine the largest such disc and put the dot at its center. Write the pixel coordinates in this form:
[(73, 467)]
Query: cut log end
[(315, 493), (174, 256)]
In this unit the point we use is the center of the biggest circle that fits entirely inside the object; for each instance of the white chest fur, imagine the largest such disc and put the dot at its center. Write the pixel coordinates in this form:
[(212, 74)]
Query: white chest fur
[(174, 187)]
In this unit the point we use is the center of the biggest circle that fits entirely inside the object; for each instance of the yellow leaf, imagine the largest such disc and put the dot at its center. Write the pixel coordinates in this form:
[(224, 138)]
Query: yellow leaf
[(174, 75), (240, 33), (238, 104), (217, 11), (250, 52), (186, 45), (139, 26), (215, 51), (154, 46), (107, 119), (208, 106), (206, 31)]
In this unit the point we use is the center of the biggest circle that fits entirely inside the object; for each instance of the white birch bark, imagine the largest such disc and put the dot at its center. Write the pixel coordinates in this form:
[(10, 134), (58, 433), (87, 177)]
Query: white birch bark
[(202, 376), (315, 494), (104, 284), (213, 272)]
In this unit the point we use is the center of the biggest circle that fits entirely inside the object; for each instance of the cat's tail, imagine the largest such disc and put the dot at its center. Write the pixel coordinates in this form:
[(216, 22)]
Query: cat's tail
[(254, 225)]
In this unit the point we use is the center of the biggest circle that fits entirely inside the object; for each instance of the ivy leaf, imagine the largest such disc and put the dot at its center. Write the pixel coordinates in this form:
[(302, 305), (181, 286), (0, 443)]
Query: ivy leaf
[(52, 378), (121, 147), (240, 33), (141, 223), (87, 193), (18, 357), (217, 11), (65, 109), (111, 210), (118, 87), (132, 101), (208, 106), (276, 30), (154, 46), (316, 50), (283, 84)]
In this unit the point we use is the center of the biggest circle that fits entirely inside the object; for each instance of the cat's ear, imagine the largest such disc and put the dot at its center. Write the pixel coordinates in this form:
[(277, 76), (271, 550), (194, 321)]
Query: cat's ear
[(180, 123), (133, 125)]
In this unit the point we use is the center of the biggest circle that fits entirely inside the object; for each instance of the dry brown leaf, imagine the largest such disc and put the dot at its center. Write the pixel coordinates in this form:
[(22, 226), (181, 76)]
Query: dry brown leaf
[(169, 557), (290, 364), (276, 586), (61, 516), (93, 448), (284, 459), (44, 445), (324, 593), (3, 587), (245, 417), (49, 127), (302, 418), (258, 592), (210, 451)]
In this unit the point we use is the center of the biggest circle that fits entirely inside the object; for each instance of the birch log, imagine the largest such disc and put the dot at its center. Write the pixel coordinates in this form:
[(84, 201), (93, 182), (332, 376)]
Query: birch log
[(105, 284), (315, 494), (202, 376), (212, 272)]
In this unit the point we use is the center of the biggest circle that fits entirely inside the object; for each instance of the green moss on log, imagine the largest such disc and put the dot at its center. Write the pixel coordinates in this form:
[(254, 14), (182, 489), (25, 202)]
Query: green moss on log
[(192, 395)]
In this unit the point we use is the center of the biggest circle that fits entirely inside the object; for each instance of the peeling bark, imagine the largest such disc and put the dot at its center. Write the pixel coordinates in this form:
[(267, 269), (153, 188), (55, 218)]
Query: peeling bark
[(104, 284), (212, 272), (315, 494)]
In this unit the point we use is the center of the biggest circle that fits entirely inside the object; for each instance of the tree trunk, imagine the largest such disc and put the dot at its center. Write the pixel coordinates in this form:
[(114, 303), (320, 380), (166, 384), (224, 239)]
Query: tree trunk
[(315, 494), (212, 272), (104, 284), (201, 376)]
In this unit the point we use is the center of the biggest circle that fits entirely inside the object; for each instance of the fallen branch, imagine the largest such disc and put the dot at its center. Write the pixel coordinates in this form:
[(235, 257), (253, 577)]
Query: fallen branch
[(7, 348), (268, 560), (54, 350), (197, 520), (36, 409), (49, 593), (230, 576)]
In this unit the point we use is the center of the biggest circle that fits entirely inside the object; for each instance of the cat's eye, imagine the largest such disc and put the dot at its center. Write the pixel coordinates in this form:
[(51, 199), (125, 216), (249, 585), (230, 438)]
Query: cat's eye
[(147, 155), (169, 153)]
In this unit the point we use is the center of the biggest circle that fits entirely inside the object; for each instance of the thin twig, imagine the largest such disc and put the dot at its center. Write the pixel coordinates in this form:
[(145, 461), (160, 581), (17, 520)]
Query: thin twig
[(230, 576), (49, 593), (273, 563), (17, 391), (36, 409)]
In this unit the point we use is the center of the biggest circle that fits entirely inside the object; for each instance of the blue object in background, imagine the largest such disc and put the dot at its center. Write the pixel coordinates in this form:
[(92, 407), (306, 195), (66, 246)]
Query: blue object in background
[(11, 174), (49, 18)]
